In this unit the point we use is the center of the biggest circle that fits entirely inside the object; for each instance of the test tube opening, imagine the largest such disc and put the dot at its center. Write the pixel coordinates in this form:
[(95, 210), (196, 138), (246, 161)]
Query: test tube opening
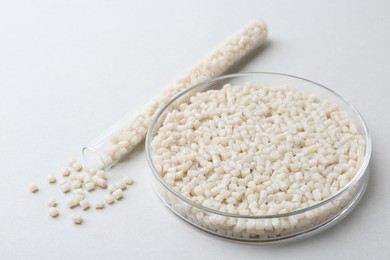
[(93, 158)]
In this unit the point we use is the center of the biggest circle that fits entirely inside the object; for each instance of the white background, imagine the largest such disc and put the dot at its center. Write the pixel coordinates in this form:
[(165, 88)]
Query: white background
[(70, 69)]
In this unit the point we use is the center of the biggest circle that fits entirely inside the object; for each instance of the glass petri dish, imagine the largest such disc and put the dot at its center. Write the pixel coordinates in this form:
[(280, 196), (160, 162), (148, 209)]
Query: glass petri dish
[(284, 227)]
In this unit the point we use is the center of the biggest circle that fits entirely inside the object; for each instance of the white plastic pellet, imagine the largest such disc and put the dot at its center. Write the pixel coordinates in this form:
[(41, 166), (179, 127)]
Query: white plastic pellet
[(317, 195), (77, 166), (99, 181), (51, 202), (90, 186), (65, 187), (112, 187), (33, 188), (79, 177), (101, 174), (78, 197), (53, 212), (72, 176), (128, 180), (118, 194), (51, 179), (71, 203), (77, 191), (77, 219), (109, 198), (65, 171), (71, 161), (122, 185), (86, 177), (76, 184), (99, 204), (84, 204)]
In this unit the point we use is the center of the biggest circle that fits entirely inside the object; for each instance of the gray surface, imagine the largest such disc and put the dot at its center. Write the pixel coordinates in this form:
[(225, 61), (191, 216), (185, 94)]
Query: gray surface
[(69, 69)]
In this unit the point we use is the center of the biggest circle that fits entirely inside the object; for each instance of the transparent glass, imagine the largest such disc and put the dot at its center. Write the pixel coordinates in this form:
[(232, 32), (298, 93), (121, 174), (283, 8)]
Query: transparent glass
[(107, 149), (265, 228)]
